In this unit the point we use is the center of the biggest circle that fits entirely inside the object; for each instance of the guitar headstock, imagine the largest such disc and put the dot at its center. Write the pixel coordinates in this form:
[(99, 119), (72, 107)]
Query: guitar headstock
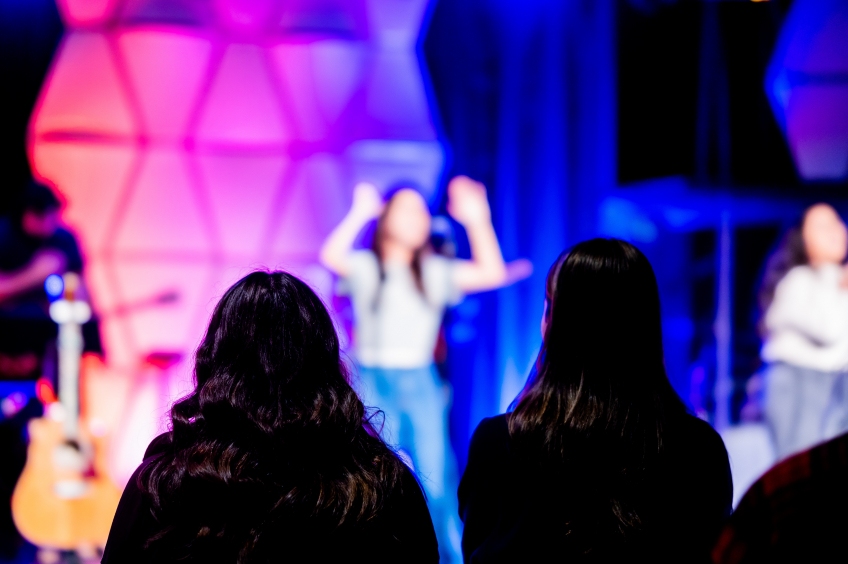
[(70, 307), (72, 286)]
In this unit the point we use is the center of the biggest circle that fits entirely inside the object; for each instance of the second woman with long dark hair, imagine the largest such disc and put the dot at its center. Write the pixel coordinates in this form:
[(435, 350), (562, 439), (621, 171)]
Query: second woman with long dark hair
[(599, 461)]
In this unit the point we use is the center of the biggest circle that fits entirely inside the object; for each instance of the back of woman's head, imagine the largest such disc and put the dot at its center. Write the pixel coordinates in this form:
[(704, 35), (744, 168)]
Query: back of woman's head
[(271, 446), (597, 407)]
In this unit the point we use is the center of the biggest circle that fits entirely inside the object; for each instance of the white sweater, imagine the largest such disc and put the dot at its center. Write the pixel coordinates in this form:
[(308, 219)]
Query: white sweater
[(807, 322)]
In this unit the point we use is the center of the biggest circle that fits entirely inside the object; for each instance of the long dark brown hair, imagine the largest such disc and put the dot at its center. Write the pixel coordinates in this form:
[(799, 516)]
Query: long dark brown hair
[(593, 417), (272, 452), (789, 253), (379, 240)]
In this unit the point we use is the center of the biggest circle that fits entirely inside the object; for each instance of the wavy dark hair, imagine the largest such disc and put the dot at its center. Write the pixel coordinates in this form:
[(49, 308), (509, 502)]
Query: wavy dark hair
[(272, 452), (593, 417)]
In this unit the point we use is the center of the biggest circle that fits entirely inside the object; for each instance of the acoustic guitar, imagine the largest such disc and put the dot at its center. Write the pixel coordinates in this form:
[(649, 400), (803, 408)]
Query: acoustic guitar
[(64, 499)]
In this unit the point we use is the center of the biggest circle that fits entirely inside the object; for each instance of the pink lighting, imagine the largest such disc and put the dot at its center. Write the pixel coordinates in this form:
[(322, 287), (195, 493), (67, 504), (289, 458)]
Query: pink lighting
[(195, 140), (163, 213), (157, 58), (257, 179), (86, 95), (82, 13), (242, 106), (247, 16)]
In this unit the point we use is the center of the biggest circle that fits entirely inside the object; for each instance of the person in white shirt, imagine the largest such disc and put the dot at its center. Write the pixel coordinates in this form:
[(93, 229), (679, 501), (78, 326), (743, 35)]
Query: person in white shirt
[(804, 298), (399, 290)]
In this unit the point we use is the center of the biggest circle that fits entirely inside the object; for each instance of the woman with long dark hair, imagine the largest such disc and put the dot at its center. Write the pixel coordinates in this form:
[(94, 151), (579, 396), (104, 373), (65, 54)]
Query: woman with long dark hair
[(804, 305), (271, 458), (400, 289), (599, 461)]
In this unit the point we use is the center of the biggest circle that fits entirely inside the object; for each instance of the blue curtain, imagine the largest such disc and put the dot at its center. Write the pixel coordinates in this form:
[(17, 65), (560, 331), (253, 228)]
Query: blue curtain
[(525, 92)]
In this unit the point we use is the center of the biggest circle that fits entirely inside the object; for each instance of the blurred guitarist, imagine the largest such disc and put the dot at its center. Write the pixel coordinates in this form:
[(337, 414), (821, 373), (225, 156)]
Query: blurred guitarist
[(33, 245)]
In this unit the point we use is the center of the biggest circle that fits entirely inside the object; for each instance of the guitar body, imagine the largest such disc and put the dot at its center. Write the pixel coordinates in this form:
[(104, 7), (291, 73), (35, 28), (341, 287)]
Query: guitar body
[(64, 498), (49, 517)]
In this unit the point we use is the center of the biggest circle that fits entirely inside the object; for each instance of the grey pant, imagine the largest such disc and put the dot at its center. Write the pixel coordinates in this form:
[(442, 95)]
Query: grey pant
[(804, 407)]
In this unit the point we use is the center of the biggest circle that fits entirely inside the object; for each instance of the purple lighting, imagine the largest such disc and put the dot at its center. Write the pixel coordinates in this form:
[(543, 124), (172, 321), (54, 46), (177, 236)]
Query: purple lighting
[(195, 140), (807, 84)]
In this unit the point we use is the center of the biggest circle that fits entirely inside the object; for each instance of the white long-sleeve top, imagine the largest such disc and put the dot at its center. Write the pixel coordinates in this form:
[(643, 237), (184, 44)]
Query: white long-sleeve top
[(807, 322)]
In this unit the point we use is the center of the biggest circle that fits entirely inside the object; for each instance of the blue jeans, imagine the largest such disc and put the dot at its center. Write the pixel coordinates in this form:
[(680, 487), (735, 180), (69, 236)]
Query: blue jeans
[(415, 403), (804, 407)]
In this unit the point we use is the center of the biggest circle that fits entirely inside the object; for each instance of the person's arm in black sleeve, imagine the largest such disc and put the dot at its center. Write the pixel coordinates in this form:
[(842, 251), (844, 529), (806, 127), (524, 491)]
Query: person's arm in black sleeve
[(478, 491)]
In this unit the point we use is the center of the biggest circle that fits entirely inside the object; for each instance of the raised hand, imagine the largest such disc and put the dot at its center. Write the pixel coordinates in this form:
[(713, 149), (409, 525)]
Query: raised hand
[(367, 202), (467, 201)]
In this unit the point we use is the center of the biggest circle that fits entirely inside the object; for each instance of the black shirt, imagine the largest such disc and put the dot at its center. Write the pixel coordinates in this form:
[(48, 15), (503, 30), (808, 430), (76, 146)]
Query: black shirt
[(511, 514), (404, 533), (17, 248), (25, 324)]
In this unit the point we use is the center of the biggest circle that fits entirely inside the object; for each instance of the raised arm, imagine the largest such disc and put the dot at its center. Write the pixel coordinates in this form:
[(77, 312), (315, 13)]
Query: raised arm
[(467, 204), (335, 252), (32, 275)]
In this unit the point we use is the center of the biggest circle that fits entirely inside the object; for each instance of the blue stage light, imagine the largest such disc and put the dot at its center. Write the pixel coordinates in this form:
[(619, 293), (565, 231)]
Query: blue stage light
[(54, 286)]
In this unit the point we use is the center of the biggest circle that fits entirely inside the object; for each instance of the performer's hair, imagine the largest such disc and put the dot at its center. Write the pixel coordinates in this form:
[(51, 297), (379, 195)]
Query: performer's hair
[(39, 198), (593, 416), (379, 239), (272, 451), (789, 253)]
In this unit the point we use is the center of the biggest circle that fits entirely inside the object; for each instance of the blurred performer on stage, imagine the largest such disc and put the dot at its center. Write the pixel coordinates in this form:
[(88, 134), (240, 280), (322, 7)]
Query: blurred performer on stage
[(399, 290), (804, 298), (33, 245)]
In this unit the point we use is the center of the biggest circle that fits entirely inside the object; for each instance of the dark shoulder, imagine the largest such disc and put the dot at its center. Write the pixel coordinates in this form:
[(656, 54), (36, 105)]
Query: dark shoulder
[(809, 469), (408, 524), (490, 438), (160, 445), (492, 429), (795, 510), (692, 447), (134, 523), (410, 487), (695, 433)]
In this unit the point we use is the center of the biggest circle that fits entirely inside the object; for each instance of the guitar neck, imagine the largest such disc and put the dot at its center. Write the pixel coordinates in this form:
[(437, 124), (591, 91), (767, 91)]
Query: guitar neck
[(70, 349), (70, 313)]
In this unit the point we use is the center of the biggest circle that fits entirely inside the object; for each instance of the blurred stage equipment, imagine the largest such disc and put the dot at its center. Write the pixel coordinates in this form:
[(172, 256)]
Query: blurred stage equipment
[(196, 139), (64, 498), (807, 84)]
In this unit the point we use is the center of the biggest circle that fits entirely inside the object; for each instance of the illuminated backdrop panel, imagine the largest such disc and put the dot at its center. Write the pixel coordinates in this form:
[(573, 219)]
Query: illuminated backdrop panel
[(194, 140), (807, 84)]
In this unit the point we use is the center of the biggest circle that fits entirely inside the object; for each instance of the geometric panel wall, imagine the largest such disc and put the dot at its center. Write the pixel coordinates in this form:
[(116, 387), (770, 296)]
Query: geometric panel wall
[(807, 84), (195, 139)]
